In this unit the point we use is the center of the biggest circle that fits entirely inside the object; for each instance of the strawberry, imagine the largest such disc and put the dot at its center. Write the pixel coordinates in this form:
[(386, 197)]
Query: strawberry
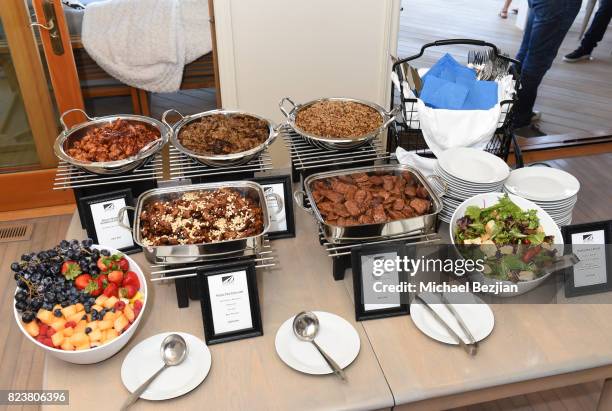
[(95, 287), (116, 277), (119, 305), (111, 290), (131, 278), (43, 329), (138, 305), (70, 324), (128, 291), (48, 342), (104, 263), (123, 264), (50, 332), (70, 269), (82, 281)]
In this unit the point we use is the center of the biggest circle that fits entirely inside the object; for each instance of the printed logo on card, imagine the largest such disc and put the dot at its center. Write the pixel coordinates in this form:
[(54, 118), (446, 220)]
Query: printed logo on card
[(587, 238), (227, 279), (108, 206)]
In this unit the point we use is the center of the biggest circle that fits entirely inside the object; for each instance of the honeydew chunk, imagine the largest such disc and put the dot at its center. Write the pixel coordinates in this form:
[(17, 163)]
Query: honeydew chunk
[(57, 339), (59, 324), (100, 300), (95, 335), (69, 311), (110, 302), (129, 313), (67, 345), (68, 331), (32, 328), (79, 339), (105, 325), (45, 316), (120, 323), (76, 317)]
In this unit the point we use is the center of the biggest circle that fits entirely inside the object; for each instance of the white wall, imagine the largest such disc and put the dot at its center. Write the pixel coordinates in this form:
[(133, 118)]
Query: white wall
[(305, 49)]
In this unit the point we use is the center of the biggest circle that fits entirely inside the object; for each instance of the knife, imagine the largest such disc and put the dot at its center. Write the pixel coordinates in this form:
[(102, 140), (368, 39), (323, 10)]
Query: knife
[(461, 323), (443, 323)]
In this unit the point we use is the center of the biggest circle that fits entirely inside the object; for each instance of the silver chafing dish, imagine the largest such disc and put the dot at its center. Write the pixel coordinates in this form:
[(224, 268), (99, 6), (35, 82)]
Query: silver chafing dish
[(181, 254), (424, 224), (219, 160), (329, 143), (68, 136)]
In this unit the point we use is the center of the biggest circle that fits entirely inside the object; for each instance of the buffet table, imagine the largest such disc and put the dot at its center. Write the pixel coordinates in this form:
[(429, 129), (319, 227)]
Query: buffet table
[(532, 347)]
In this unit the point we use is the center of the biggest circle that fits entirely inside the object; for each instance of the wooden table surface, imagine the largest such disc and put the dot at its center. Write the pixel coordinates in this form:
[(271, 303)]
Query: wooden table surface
[(532, 347)]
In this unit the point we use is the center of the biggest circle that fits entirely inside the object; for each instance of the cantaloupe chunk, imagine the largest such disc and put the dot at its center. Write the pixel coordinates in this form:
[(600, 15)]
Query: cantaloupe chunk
[(105, 325), (120, 323), (32, 328), (82, 347), (68, 331), (100, 300), (58, 324), (80, 327), (93, 325), (110, 316), (57, 339), (76, 317), (129, 313), (45, 316), (79, 307), (110, 302), (110, 335), (69, 311), (97, 307), (79, 338), (67, 345), (95, 335)]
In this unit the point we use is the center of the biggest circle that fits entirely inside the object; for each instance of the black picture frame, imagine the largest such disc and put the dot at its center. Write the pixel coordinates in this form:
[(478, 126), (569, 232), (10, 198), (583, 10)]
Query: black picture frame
[(361, 314), (85, 204), (210, 335), (571, 290), (285, 180)]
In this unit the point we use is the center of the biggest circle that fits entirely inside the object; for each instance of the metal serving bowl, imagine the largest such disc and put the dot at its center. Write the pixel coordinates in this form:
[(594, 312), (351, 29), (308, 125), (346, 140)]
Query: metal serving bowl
[(219, 160), (186, 253), (68, 136), (330, 143), (424, 224)]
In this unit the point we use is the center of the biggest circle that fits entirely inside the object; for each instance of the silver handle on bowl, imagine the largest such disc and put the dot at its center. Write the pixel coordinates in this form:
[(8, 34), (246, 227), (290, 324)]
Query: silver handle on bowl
[(163, 119), (442, 183), (300, 200), (281, 105), (72, 110), (391, 114), (121, 214), (279, 201)]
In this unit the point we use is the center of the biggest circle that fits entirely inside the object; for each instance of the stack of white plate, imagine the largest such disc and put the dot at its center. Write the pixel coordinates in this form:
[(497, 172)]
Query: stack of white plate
[(464, 172), (556, 191)]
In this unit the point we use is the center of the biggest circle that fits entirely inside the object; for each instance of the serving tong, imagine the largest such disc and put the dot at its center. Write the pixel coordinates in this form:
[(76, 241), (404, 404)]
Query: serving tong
[(488, 65)]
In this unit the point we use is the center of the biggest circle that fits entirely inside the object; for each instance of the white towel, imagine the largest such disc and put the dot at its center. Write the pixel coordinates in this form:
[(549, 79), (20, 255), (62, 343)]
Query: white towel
[(146, 43)]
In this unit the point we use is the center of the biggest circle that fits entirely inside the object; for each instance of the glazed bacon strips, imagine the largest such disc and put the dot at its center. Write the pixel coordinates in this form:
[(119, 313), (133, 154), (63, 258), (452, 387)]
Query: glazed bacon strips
[(117, 140), (201, 217), (368, 199)]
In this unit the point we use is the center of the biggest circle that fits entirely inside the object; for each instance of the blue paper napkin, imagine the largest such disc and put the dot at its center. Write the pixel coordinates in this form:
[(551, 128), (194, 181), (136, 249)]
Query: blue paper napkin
[(451, 85)]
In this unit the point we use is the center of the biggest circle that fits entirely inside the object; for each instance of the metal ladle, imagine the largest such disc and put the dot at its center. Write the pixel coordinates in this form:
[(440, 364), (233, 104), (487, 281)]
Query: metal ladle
[(306, 328), (173, 351)]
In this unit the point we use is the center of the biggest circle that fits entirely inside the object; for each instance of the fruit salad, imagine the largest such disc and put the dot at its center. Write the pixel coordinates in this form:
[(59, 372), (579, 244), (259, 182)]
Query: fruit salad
[(76, 297)]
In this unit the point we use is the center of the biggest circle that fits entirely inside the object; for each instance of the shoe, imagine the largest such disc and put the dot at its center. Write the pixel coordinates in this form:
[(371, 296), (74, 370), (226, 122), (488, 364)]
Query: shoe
[(529, 131), (577, 55), (536, 116)]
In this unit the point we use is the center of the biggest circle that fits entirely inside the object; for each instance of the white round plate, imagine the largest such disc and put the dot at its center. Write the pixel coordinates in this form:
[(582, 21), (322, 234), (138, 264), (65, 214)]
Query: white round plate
[(337, 337), (473, 165), (144, 360), (478, 318), (466, 185), (542, 183)]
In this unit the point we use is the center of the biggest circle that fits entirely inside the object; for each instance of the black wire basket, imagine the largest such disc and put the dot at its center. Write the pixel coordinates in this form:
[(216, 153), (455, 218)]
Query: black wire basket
[(406, 131)]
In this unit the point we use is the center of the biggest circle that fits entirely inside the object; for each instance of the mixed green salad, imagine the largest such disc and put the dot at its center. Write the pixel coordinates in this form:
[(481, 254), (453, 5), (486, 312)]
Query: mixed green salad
[(511, 241)]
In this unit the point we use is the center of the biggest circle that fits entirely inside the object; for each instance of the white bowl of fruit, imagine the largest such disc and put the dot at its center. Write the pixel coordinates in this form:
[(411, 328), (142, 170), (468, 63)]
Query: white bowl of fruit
[(79, 302)]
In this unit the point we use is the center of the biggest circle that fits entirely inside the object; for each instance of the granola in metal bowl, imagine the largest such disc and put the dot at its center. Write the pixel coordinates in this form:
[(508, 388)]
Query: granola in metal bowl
[(338, 119)]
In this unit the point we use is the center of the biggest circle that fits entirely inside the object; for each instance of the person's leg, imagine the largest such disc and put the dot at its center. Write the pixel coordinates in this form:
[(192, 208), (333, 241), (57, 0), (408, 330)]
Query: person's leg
[(504, 11), (551, 22), (520, 56), (598, 27)]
